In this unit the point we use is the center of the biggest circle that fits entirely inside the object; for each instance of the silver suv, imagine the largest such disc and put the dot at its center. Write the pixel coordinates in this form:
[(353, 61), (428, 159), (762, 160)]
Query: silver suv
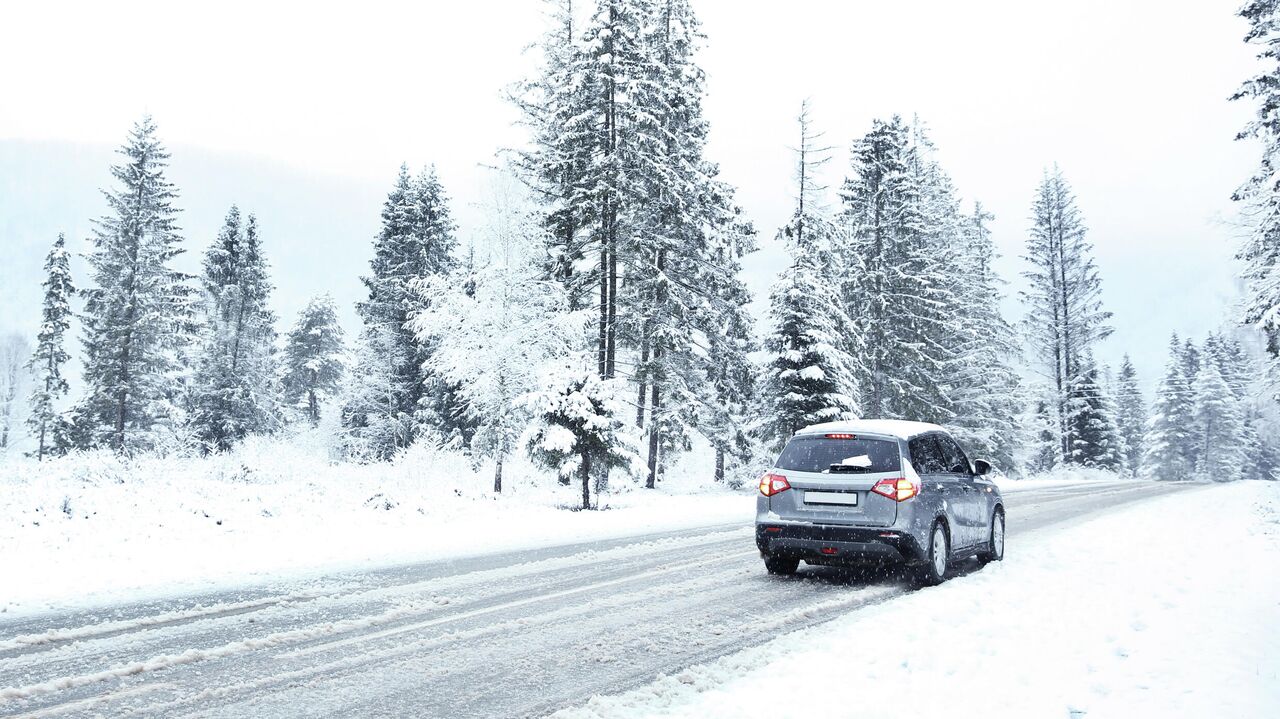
[(878, 491)]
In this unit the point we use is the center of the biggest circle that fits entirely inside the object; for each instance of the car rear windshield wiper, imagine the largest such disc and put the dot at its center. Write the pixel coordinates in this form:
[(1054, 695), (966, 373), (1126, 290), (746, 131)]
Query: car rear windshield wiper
[(852, 468)]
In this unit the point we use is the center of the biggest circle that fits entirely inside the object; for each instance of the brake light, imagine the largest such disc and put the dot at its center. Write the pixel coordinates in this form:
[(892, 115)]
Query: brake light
[(841, 436), (772, 484), (899, 490)]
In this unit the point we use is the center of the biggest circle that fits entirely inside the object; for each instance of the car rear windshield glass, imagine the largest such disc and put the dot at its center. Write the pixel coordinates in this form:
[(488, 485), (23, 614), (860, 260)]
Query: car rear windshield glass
[(858, 455)]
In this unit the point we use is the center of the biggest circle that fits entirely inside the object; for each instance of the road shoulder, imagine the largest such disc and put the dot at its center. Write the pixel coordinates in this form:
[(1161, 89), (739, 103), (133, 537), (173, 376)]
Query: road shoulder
[(1164, 608)]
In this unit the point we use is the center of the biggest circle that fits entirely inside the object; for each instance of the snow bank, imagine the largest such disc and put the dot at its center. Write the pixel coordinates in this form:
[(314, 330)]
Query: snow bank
[(92, 528), (1062, 475), (1165, 609)]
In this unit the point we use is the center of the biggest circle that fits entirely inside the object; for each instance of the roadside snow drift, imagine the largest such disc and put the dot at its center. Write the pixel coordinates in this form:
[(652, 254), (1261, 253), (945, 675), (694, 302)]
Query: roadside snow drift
[(1169, 608)]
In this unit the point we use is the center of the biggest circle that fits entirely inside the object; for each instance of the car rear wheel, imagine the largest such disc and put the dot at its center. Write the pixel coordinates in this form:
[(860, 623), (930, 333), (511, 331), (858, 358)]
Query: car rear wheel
[(995, 540), (938, 555), (781, 565)]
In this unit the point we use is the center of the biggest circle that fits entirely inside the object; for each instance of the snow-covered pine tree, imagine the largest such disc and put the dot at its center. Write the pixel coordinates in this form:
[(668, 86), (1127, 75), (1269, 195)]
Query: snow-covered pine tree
[(138, 314), (898, 283), (50, 354), (1131, 415), (1244, 375), (1217, 429), (1065, 316), (985, 389), (811, 374), (1095, 438), (374, 425), (496, 333), (578, 425), (1190, 360), (617, 69), (441, 407), (555, 106), (1043, 450), (235, 392), (810, 377), (1165, 454), (632, 205), (14, 351), (1190, 357), (681, 245), (1260, 194), (724, 410), (313, 358), (416, 241)]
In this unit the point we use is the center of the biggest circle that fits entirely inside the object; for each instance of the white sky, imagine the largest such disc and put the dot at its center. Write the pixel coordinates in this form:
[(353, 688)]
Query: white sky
[(303, 112)]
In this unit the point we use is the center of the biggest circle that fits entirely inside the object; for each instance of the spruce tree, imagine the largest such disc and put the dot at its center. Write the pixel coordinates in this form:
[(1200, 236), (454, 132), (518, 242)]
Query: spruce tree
[(1131, 415), (50, 353), (578, 426), (1260, 194), (1166, 446), (375, 426), (495, 329), (416, 242), (725, 410), (1096, 439), (313, 358), (1065, 318), (138, 310), (985, 389), (811, 373), (810, 377), (14, 351), (554, 106), (638, 223), (897, 277), (234, 391), (1043, 448), (1217, 426)]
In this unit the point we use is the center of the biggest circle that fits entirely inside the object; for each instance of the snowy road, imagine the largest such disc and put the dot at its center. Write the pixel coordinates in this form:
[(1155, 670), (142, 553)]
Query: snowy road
[(516, 634)]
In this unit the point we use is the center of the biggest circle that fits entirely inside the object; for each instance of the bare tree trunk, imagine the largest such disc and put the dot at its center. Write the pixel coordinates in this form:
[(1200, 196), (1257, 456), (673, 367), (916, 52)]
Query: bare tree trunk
[(44, 420), (602, 337), (654, 430), (585, 473), (640, 369), (611, 218), (719, 465), (313, 407), (1067, 369), (497, 475), (610, 367)]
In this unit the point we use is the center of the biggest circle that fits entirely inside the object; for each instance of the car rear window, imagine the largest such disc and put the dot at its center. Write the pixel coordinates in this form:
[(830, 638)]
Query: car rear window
[(858, 455)]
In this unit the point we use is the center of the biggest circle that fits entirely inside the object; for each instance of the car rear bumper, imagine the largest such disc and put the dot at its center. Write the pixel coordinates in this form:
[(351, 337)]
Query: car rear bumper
[(834, 544)]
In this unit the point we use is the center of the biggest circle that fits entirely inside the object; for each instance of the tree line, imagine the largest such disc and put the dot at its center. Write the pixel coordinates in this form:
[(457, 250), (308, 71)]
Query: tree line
[(598, 320)]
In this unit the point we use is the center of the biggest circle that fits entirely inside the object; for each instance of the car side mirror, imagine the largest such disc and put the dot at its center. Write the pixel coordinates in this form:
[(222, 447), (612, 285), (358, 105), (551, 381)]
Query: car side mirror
[(981, 467)]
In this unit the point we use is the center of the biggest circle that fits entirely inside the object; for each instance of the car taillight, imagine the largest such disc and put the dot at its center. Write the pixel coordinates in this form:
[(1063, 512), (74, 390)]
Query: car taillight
[(841, 436), (899, 490), (772, 484)]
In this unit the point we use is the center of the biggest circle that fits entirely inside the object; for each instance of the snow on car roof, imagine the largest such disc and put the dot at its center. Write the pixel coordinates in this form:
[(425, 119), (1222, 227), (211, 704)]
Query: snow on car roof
[(892, 427)]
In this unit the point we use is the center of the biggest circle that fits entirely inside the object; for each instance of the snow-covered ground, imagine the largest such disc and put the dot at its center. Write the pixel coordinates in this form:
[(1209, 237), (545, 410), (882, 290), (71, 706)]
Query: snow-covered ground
[(1167, 608), (93, 529)]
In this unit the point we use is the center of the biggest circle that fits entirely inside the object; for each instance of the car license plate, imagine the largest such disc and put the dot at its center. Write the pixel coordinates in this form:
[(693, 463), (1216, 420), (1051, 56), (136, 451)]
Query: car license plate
[(843, 499)]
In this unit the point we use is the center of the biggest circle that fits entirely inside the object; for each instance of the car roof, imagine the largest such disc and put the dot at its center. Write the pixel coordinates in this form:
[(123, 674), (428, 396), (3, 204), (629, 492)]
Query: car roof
[(899, 428)]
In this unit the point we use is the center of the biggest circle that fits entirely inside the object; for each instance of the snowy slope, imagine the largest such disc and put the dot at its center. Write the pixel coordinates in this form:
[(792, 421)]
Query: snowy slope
[(1131, 614)]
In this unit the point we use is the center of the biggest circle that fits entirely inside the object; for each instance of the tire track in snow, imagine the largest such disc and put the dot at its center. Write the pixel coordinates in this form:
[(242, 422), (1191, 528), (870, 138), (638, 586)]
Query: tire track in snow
[(431, 668)]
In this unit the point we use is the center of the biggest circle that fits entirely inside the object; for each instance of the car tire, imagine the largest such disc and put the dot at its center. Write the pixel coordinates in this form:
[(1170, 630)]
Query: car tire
[(781, 565), (937, 558), (995, 539)]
